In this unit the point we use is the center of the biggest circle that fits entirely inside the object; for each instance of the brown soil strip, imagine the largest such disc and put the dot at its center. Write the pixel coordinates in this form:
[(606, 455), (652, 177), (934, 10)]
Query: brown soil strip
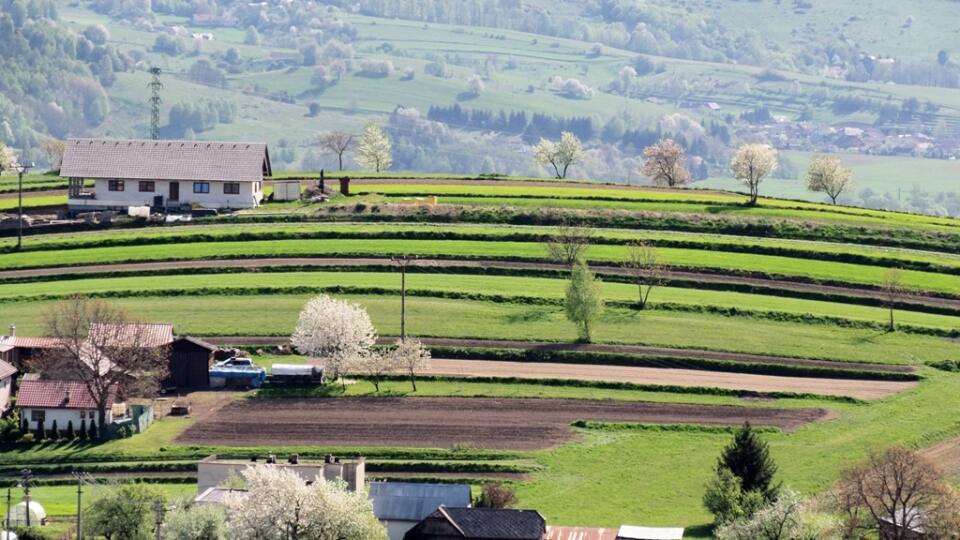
[(670, 377), (694, 277), (519, 424), (947, 456)]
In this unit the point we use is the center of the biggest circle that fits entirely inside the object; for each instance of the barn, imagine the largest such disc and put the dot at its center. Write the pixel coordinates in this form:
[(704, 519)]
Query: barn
[(190, 360)]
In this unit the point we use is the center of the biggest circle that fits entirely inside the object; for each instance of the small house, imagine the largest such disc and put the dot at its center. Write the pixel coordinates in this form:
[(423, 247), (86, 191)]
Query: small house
[(190, 361), (401, 505), (479, 524), (7, 372), (45, 401), (164, 174), (213, 472)]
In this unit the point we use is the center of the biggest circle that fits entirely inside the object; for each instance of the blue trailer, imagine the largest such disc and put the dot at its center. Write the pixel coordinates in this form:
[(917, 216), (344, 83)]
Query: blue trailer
[(237, 372)]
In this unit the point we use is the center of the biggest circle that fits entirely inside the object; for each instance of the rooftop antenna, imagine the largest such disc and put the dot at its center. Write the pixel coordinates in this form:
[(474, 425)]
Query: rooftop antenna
[(155, 86)]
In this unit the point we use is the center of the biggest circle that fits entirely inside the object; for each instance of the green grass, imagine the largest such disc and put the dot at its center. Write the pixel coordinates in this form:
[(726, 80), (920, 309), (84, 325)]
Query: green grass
[(61, 501), (467, 284), (821, 270), (30, 201), (276, 315)]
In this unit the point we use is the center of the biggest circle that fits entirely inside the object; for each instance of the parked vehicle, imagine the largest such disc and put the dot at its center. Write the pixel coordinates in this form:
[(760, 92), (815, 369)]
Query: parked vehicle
[(237, 372), (296, 374)]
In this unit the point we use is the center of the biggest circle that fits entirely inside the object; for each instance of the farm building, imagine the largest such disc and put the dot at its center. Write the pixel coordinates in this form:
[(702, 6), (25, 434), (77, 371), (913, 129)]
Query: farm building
[(45, 401), (16, 349), (580, 533), (401, 505), (164, 174), (7, 372), (213, 472), (629, 532), (190, 360), (479, 524)]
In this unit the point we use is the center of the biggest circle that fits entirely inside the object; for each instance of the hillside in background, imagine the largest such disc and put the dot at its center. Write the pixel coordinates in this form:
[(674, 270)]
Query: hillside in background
[(467, 87)]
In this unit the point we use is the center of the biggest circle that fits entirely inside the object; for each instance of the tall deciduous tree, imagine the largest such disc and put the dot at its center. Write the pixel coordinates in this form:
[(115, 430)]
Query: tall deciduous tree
[(827, 174), (411, 357), (896, 492), (374, 150), (53, 149), (584, 303), (560, 155), (665, 164), (569, 244), (279, 505), (790, 517), (337, 143), (893, 291), (339, 332), (122, 512), (104, 348), (644, 268), (751, 165)]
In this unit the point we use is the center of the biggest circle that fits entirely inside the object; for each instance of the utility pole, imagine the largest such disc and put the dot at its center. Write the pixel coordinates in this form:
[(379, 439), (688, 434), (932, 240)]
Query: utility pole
[(80, 476), (403, 261), (155, 86), (26, 476), (158, 510), (21, 168), (6, 526)]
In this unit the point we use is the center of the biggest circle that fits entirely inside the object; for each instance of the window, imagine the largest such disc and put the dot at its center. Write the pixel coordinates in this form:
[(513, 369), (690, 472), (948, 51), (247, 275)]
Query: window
[(38, 416), (147, 186), (89, 415), (115, 185), (231, 188), (201, 187)]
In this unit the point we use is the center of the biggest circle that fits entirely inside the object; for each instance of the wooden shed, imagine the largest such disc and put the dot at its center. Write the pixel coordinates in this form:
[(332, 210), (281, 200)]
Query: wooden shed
[(190, 361)]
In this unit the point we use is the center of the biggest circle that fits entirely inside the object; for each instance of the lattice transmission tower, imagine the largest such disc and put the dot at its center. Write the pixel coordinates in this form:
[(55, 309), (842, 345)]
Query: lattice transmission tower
[(155, 86)]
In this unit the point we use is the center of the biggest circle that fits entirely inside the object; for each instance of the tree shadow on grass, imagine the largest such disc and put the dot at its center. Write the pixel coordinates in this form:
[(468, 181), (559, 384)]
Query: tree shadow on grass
[(528, 315)]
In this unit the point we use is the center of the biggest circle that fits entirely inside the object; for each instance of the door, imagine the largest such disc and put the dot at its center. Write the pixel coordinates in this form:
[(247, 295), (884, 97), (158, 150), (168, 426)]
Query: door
[(174, 191)]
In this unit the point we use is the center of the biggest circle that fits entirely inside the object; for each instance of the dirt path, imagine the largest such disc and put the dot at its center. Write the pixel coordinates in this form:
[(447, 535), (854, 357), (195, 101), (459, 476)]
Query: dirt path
[(947, 456), (594, 347), (277, 263), (30, 194), (527, 183), (521, 424), (671, 377)]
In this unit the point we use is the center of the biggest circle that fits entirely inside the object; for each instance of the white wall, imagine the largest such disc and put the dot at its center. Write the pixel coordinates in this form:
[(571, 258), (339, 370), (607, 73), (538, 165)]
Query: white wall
[(63, 416), (396, 530), (131, 195), (5, 385)]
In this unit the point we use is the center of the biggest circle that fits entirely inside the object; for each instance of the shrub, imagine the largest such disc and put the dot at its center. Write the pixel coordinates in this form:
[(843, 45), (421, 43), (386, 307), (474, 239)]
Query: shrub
[(27, 438), (496, 495)]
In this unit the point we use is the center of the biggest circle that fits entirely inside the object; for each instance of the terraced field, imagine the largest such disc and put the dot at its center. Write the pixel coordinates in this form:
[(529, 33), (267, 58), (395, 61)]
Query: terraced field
[(774, 308)]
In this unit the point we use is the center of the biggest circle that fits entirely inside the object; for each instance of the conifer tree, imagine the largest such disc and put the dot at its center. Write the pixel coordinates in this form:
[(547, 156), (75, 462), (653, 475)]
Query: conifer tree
[(748, 458), (83, 429), (54, 431), (71, 433)]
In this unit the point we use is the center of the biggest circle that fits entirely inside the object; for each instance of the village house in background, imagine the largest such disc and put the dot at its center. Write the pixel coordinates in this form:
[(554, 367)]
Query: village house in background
[(164, 174)]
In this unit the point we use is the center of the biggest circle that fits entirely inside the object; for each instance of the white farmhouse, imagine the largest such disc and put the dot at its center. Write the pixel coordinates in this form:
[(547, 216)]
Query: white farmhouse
[(43, 401), (7, 372), (164, 174)]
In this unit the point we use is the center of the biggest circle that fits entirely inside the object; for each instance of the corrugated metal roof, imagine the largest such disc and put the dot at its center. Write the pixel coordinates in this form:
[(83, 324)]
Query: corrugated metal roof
[(580, 533), (411, 501), (57, 394), (217, 495), (6, 370), (165, 160)]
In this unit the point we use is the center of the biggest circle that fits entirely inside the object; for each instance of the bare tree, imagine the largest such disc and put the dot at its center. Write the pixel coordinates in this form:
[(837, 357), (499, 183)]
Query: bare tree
[(893, 291), (376, 364), (644, 268), (410, 356), (895, 493), (104, 348), (336, 142), (569, 244), (664, 163)]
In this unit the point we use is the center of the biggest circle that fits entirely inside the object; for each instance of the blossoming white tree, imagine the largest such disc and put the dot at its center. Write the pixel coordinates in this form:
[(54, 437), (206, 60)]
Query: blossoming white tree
[(374, 150), (751, 165), (411, 357), (559, 155), (338, 331), (278, 505)]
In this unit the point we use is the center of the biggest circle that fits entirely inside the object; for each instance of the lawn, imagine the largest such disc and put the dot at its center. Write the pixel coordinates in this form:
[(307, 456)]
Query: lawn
[(436, 317), (425, 284)]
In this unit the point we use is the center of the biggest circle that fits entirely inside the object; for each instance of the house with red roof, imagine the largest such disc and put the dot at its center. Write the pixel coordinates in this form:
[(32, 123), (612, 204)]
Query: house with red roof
[(45, 401)]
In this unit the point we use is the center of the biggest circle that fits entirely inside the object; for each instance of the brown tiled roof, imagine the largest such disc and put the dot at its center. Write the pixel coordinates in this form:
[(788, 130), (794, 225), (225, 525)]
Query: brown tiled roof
[(580, 533), (143, 334), (57, 394), (32, 342), (6, 370), (165, 160)]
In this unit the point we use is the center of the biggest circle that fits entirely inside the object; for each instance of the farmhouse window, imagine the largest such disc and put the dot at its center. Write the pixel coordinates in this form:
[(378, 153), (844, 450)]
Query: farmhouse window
[(201, 187), (147, 186), (38, 416), (115, 185), (231, 188)]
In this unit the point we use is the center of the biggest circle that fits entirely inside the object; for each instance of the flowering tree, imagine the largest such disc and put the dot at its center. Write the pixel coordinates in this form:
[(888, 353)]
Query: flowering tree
[(279, 505), (341, 332), (374, 150), (559, 155), (195, 522), (828, 175), (664, 164), (411, 357), (751, 165), (475, 85)]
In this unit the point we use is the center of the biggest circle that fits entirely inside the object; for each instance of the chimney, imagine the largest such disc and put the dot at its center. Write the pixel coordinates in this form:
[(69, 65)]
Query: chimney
[(69, 395)]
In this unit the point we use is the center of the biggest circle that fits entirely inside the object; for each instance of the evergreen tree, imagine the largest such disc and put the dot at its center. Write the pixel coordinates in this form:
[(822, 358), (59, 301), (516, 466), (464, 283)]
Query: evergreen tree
[(583, 302), (54, 431), (93, 434), (71, 433), (83, 429), (748, 458)]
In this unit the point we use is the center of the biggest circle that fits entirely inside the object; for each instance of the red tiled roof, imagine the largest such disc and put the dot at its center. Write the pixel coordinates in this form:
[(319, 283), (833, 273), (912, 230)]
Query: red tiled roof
[(54, 394), (580, 533), (30, 342), (147, 334), (6, 370)]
